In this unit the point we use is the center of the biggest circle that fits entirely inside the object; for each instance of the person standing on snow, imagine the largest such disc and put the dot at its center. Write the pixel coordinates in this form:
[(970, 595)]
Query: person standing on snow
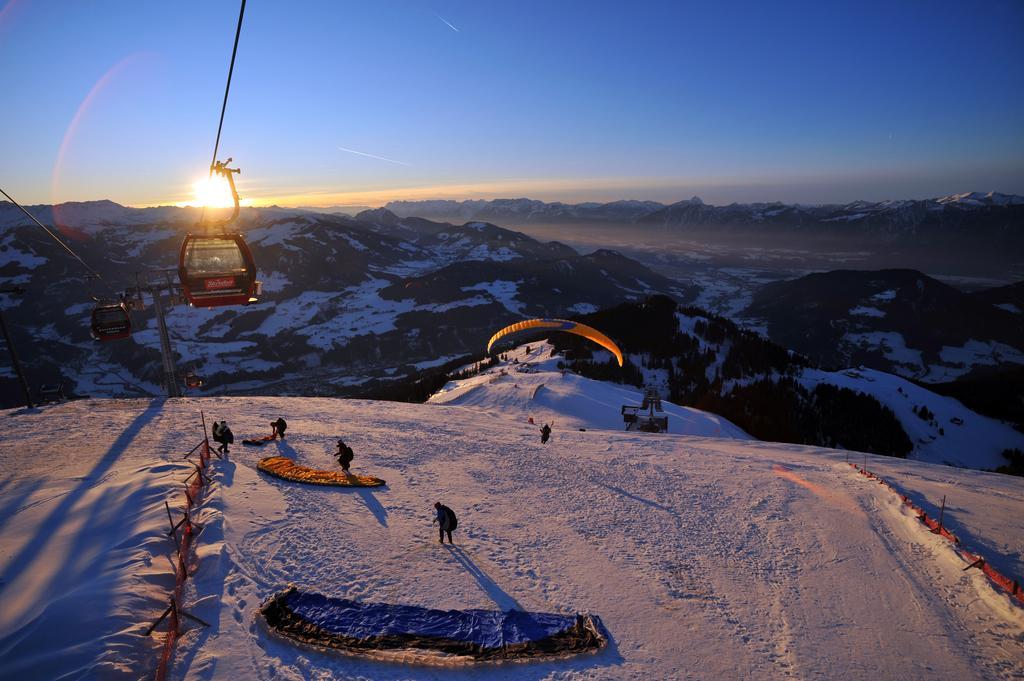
[(223, 435), (345, 455), (446, 521), (545, 433), (279, 426)]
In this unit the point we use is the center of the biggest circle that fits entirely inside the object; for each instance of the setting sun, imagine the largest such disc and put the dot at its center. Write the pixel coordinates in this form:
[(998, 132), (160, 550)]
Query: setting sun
[(212, 192)]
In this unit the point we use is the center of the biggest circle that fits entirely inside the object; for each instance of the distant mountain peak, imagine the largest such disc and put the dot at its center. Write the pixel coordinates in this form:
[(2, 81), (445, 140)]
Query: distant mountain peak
[(982, 199), (379, 216)]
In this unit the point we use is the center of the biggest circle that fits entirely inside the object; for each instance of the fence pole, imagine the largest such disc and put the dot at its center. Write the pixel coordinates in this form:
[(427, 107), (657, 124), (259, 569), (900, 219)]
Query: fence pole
[(14, 359), (942, 511)]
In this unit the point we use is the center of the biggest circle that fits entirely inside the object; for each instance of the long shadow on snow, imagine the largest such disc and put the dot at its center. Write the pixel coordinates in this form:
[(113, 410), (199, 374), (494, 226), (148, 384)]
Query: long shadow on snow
[(634, 497), (95, 556), (501, 598), (374, 506), (25, 559), (994, 552)]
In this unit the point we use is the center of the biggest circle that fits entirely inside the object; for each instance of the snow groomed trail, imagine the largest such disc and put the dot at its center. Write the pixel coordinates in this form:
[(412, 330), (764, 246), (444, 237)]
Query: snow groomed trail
[(937, 526), (703, 557)]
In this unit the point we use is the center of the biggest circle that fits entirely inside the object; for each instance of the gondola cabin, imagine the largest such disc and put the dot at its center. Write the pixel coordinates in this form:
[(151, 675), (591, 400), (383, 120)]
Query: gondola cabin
[(193, 380), (111, 321), (217, 270)]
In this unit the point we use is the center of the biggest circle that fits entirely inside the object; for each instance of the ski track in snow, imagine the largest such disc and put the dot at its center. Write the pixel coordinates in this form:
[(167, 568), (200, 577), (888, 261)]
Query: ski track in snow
[(704, 557)]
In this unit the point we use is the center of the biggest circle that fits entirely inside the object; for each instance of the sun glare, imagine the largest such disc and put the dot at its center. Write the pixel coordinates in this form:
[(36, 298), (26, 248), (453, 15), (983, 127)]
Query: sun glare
[(212, 192)]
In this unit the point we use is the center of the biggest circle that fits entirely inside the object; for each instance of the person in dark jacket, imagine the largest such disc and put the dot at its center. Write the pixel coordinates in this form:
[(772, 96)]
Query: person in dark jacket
[(446, 521), (279, 426), (345, 455), (545, 433), (223, 435)]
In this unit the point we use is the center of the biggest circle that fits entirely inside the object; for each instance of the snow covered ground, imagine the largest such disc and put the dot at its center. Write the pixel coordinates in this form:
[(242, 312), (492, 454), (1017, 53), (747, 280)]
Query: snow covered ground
[(955, 435), (534, 387), (706, 557), (84, 558)]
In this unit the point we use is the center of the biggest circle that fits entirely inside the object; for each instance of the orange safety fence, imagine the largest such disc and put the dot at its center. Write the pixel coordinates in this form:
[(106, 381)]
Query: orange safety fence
[(194, 486), (1011, 586)]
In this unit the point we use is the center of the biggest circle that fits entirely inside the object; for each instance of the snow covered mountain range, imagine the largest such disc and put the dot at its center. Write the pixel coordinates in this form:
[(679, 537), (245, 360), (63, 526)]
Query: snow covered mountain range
[(356, 306), (968, 214), (348, 301), (900, 321), (708, 363)]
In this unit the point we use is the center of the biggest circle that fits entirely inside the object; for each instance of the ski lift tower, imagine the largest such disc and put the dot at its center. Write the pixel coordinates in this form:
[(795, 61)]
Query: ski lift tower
[(156, 284), (649, 417)]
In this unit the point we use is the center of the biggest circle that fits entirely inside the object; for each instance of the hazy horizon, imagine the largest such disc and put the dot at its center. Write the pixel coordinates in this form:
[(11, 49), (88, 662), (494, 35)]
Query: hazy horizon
[(683, 195)]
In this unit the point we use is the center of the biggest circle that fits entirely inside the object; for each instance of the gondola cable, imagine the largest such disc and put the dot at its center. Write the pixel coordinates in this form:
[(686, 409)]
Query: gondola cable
[(224, 106), (108, 320), (218, 269), (53, 236), (227, 88)]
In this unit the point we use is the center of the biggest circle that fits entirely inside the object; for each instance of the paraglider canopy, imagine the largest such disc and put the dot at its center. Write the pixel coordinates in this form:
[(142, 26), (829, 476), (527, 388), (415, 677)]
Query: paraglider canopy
[(559, 325)]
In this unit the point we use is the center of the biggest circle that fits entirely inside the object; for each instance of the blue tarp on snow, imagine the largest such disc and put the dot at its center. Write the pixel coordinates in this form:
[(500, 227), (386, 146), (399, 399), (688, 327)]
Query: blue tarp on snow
[(481, 634)]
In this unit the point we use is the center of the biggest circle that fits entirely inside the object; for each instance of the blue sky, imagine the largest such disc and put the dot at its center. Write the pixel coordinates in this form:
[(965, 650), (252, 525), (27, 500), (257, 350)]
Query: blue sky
[(810, 102)]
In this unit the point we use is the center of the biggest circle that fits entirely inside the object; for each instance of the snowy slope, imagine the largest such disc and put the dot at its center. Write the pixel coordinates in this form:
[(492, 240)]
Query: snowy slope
[(529, 384), (955, 436), (705, 557), (84, 556)]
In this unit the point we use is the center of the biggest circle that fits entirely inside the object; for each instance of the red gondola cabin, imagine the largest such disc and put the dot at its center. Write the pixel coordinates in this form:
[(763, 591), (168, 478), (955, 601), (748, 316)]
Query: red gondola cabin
[(111, 321), (217, 270)]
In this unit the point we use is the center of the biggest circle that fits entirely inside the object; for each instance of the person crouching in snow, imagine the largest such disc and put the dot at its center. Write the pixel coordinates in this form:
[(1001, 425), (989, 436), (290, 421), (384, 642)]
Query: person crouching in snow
[(345, 455), (446, 521), (278, 427)]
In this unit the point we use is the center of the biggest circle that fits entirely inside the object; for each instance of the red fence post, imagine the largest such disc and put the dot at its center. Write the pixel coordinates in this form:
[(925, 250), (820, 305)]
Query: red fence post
[(192, 497), (937, 527)]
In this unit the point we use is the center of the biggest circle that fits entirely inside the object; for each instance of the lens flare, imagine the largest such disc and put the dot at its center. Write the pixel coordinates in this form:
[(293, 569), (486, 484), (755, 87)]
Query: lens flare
[(842, 502)]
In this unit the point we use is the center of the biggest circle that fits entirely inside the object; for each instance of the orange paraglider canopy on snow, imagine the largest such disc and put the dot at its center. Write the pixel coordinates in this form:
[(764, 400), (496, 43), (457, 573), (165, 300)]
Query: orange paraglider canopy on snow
[(559, 325), (285, 468)]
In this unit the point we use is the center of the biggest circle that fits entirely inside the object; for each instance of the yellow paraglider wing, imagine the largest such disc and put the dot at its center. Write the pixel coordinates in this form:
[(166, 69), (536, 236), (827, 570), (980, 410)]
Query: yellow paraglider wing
[(559, 325)]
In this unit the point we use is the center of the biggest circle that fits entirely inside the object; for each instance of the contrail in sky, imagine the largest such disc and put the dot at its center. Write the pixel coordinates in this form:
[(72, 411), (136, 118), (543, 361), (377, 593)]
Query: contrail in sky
[(379, 158), (448, 22)]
